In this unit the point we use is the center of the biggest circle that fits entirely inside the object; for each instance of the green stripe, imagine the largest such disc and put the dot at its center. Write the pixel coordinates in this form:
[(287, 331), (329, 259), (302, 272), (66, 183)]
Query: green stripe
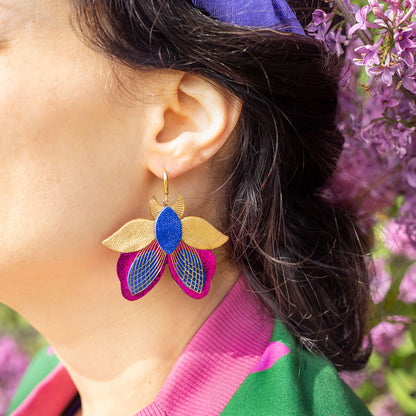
[(41, 365), (298, 384)]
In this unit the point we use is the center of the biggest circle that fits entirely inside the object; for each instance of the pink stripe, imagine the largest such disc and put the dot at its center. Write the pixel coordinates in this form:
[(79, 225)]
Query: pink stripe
[(274, 352), (50, 397), (153, 410), (218, 358)]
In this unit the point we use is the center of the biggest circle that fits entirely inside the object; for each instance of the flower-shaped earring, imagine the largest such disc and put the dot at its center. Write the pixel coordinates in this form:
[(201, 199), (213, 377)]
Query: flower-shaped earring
[(146, 246)]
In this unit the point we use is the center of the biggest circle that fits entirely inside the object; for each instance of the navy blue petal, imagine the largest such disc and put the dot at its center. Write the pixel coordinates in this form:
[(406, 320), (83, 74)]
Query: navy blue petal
[(168, 230)]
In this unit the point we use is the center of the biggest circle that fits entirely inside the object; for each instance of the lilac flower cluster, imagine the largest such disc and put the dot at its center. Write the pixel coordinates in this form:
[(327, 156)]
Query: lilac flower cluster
[(12, 364), (367, 181), (388, 336), (321, 29), (393, 29), (379, 161), (376, 175), (397, 241), (393, 52), (386, 406)]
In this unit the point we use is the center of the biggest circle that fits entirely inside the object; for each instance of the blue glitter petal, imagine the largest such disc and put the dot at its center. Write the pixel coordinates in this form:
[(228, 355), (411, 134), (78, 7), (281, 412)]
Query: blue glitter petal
[(168, 230)]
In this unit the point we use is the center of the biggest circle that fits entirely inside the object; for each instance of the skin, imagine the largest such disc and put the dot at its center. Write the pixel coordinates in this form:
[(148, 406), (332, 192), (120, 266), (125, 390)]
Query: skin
[(79, 159)]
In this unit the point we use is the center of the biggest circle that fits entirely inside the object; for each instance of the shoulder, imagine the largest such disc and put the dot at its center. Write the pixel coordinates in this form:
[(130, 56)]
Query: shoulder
[(290, 381)]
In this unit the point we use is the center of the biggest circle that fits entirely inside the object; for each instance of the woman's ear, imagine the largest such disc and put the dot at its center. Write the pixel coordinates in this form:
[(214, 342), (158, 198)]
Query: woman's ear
[(196, 122)]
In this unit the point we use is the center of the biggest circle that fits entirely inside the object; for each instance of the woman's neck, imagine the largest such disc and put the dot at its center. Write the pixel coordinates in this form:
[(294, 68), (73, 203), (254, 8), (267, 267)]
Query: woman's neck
[(118, 353)]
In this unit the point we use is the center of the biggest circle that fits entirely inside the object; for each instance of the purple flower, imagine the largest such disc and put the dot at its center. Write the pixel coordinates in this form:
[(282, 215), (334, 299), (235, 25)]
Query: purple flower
[(387, 98), (334, 41), (378, 162), (410, 172), (407, 215), (362, 23), (401, 138), (395, 4), (380, 282), (361, 18), (320, 24), (319, 17), (377, 9), (319, 28), (369, 55), (402, 38), (397, 240), (405, 46), (407, 76), (354, 380), (408, 286), (378, 378), (386, 406), (385, 72), (412, 26), (395, 13), (362, 182), (388, 336), (409, 84), (407, 56), (12, 364), (409, 13), (384, 24)]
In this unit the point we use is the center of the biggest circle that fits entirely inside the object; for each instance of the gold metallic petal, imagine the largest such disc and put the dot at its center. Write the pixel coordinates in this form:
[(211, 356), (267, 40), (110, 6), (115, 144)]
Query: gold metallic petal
[(133, 236), (155, 207), (179, 206), (200, 234)]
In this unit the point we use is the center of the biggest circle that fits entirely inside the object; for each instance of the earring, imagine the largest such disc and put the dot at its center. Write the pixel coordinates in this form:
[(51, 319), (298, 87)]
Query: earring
[(184, 244)]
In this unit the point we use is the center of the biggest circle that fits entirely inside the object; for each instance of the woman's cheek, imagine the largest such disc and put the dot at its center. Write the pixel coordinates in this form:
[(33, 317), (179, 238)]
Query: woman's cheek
[(64, 169)]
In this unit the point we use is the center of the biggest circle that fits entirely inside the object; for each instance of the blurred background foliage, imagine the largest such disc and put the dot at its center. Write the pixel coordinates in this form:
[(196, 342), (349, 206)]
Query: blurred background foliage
[(19, 342)]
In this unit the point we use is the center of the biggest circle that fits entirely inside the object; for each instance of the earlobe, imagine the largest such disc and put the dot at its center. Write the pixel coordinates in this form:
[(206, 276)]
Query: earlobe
[(195, 128)]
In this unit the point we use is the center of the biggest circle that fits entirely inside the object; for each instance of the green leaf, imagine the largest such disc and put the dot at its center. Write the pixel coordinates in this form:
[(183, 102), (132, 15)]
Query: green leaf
[(402, 386), (394, 212), (412, 332), (362, 80), (404, 309), (27, 337), (398, 268)]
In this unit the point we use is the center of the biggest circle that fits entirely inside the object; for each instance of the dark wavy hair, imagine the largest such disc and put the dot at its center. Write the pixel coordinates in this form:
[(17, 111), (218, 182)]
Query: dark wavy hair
[(304, 257)]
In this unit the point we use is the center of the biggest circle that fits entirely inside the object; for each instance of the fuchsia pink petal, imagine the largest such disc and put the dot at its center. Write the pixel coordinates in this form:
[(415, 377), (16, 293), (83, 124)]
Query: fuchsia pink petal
[(208, 261), (123, 266), (126, 260)]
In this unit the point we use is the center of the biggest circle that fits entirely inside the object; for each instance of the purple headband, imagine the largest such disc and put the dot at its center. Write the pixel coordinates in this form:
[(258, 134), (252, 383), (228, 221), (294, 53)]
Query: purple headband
[(253, 13)]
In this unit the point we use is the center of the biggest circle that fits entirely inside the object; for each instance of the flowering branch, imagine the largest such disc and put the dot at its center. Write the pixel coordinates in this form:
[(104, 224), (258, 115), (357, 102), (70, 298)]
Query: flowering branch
[(380, 128), (349, 17), (384, 24)]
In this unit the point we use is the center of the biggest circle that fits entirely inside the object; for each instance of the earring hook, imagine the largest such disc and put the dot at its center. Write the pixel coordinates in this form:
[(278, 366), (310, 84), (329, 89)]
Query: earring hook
[(165, 188)]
